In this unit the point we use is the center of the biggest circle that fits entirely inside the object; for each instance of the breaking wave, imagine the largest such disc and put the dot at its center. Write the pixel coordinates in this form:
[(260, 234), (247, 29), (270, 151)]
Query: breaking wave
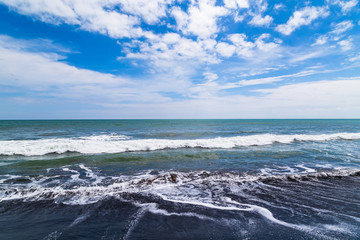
[(81, 185), (121, 143)]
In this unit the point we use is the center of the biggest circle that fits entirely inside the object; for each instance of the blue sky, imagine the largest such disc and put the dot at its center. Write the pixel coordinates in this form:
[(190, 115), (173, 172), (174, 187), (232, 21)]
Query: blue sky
[(179, 59)]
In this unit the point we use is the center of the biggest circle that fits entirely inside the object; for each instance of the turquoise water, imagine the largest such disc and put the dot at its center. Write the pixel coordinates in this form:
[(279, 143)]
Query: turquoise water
[(184, 179)]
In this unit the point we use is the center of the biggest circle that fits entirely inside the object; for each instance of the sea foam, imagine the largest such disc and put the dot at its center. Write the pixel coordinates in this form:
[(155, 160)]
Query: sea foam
[(116, 144)]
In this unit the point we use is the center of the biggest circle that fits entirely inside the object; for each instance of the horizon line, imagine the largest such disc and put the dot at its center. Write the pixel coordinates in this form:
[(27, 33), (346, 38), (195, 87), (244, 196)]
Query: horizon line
[(79, 119)]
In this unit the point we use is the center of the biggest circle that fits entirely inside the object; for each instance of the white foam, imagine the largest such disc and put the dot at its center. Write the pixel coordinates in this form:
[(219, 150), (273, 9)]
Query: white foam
[(79, 219), (154, 208), (306, 169), (189, 187), (134, 220), (328, 165), (280, 170), (8, 177), (231, 205), (117, 144)]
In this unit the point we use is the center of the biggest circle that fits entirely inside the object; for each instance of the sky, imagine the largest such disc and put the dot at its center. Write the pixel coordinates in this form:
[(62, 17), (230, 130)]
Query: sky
[(101, 59)]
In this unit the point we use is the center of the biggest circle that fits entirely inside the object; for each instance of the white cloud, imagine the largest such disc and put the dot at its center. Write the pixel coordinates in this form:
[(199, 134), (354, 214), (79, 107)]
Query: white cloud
[(342, 27), (40, 74), (91, 15), (210, 76), (34, 45), (302, 17), (238, 17), (259, 20), (316, 99), (55, 11), (260, 6), (268, 80), (201, 19), (354, 59), (181, 17), (172, 50), (150, 11), (307, 55), (336, 34), (173, 60), (211, 88), (244, 48), (24, 68), (225, 49), (346, 6), (321, 40), (266, 46), (322, 99), (279, 6), (346, 44), (234, 4)]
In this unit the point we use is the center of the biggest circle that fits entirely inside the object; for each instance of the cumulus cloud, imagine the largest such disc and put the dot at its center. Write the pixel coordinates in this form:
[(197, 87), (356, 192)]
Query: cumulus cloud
[(259, 6), (170, 50), (167, 50), (235, 4), (151, 11), (123, 19), (95, 15), (210, 76), (259, 20), (302, 17), (244, 48), (225, 49), (115, 18), (201, 19), (264, 44)]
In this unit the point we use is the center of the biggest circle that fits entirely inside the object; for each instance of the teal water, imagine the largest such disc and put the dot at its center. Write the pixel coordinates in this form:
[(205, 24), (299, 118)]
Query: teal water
[(193, 179)]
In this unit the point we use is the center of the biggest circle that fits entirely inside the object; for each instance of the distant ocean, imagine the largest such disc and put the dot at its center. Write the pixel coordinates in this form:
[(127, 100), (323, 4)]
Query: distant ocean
[(180, 179)]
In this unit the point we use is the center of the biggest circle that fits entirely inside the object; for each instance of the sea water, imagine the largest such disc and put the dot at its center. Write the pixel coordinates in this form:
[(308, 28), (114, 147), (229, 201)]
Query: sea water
[(180, 179)]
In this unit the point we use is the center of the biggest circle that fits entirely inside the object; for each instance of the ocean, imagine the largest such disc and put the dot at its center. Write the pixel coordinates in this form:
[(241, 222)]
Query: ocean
[(180, 179)]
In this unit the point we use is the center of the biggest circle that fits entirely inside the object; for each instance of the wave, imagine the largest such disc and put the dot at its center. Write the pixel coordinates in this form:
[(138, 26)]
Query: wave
[(120, 143)]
